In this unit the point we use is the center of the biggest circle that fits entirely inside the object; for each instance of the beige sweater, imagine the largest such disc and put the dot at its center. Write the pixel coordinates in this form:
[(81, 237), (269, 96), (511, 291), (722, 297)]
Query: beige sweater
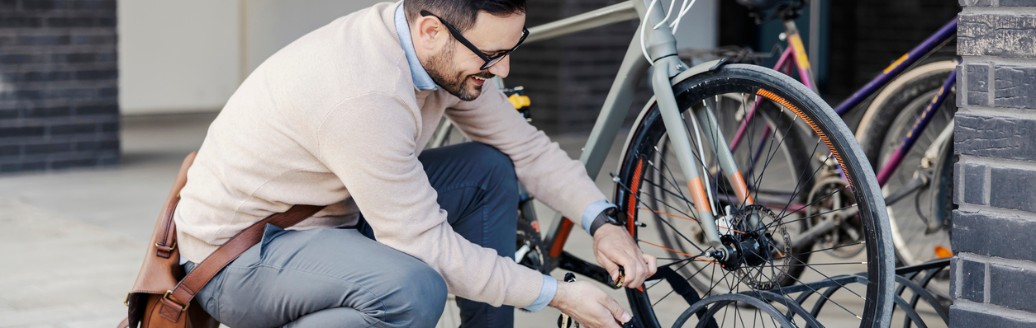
[(334, 119)]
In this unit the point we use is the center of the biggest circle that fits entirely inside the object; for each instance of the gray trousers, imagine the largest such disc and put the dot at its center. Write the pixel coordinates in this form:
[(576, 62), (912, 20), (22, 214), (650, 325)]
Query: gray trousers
[(344, 278)]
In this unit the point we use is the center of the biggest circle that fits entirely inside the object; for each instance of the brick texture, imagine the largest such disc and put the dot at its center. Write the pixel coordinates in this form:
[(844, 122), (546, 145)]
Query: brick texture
[(1014, 86), (994, 276), (970, 318), (978, 88), (1009, 36), (1018, 3), (972, 280), (995, 136), (58, 84), (976, 3), (1012, 287), (993, 235), (975, 178), (1015, 189)]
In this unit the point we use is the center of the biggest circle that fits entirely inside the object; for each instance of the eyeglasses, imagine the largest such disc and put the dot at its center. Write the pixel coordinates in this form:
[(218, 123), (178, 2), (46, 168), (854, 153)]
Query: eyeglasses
[(490, 60)]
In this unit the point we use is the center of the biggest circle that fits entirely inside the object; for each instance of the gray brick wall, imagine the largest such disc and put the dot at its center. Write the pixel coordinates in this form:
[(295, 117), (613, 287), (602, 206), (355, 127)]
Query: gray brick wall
[(567, 78), (58, 85), (994, 271)]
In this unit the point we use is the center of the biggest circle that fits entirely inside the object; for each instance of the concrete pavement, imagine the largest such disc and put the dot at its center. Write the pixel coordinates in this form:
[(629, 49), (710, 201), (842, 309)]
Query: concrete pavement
[(72, 241)]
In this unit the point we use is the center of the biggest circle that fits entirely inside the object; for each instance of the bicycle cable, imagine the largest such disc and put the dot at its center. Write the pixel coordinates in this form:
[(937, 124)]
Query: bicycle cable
[(685, 7)]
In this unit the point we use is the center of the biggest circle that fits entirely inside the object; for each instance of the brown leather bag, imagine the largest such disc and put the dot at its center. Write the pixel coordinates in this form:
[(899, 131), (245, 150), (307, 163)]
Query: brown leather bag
[(162, 295)]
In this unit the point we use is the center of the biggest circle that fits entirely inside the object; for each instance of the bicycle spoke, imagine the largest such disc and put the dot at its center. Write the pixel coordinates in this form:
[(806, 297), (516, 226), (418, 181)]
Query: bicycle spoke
[(832, 248), (800, 183), (665, 221)]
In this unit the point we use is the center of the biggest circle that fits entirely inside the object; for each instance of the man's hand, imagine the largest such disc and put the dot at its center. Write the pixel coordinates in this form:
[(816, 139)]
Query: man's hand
[(614, 247), (589, 305)]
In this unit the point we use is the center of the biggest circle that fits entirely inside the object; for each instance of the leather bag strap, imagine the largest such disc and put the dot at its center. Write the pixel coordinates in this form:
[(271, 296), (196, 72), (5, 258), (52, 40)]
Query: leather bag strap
[(174, 303)]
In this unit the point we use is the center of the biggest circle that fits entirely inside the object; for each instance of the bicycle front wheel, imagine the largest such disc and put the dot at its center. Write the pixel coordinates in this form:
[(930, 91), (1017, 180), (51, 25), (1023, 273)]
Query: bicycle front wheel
[(821, 255)]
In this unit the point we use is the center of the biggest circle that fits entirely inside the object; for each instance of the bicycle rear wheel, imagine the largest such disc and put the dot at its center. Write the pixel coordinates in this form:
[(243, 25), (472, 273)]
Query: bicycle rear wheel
[(768, 273), (888, 120)]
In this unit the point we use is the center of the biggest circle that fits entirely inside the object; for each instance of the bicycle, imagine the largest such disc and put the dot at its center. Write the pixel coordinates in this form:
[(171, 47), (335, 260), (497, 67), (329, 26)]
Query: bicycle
[(733, 217), (905, 131)]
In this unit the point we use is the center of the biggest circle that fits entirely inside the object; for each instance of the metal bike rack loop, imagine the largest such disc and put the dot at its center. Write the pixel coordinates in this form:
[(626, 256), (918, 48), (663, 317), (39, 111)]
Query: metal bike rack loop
[(912, 283)]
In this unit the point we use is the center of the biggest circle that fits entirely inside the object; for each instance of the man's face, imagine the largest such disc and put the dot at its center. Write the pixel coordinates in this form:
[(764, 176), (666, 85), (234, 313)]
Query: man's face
[(457, 69)]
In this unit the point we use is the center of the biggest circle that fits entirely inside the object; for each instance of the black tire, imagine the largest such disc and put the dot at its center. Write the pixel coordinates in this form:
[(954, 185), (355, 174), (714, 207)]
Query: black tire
[(864, 302), (886, 122)]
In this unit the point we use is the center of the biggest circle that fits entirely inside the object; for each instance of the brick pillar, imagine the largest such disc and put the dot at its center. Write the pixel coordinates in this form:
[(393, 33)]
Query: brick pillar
[(994, 228), (58, 85)]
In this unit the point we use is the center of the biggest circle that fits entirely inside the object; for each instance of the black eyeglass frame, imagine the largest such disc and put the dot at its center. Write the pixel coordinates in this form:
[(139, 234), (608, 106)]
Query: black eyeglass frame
[(489, 60)]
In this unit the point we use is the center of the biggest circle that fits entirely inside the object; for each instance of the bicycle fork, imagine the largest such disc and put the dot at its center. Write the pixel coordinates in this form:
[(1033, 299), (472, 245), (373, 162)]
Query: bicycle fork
[(704, 122)]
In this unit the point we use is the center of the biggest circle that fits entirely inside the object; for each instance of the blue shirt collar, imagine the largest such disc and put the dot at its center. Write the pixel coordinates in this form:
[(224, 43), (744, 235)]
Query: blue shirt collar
[(420, 76)]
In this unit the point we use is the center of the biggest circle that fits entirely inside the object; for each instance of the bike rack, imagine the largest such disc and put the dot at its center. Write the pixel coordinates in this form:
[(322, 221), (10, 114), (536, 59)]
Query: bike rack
[(912, 283)]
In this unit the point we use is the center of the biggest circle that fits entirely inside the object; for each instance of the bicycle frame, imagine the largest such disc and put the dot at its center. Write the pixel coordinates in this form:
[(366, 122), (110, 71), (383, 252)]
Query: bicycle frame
[(667, 67), (796, 55), (662, 51)]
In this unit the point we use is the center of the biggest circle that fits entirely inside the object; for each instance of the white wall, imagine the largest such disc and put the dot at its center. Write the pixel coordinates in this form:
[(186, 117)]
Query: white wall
[(177, 56), (272, 24), (699, 29), (190, 55)]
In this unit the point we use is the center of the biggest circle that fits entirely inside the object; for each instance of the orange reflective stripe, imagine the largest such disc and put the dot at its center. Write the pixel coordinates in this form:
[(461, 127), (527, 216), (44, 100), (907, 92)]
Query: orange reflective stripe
[(701, 201), (741, 189), (812, 125)]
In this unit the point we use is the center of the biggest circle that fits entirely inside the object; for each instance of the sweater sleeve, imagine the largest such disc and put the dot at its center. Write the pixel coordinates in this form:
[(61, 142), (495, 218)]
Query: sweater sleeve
[(545, 170), (370, 144)]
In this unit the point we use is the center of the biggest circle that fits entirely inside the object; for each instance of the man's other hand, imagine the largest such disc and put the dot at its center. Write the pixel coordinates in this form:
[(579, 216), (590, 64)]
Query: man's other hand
[(614, 247), (589, 305)]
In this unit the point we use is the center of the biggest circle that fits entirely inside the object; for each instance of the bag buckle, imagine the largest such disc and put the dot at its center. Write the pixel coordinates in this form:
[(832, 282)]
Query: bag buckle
[(169, 248), (164, 251), (183, 308)]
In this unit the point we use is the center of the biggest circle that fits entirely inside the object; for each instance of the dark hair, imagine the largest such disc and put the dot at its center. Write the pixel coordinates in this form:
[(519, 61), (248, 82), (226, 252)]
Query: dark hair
[(462, 13)]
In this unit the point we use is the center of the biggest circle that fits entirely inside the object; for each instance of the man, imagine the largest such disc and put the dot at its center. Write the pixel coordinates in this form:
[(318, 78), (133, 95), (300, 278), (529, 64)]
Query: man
[(340, 118)]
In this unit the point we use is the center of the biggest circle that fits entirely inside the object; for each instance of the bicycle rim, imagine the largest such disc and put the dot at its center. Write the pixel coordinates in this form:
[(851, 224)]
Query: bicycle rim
[(747, 290)]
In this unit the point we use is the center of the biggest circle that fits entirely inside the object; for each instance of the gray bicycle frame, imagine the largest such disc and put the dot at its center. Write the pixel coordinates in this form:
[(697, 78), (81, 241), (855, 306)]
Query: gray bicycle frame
[(667, 69)]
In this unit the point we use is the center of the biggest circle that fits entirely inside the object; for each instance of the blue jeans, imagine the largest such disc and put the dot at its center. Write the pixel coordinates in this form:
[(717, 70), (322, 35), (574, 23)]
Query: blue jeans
[(304, 279)]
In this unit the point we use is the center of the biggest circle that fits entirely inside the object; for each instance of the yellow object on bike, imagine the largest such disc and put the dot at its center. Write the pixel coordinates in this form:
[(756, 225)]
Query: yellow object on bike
[(519, 101)]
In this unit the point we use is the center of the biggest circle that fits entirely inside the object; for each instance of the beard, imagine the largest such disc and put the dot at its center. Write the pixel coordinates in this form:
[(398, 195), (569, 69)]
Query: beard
[(455, 84)]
